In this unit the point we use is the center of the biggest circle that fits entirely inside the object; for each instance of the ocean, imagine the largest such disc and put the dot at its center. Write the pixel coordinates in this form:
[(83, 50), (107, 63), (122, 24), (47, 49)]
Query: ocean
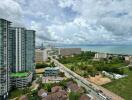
[(114, 49)]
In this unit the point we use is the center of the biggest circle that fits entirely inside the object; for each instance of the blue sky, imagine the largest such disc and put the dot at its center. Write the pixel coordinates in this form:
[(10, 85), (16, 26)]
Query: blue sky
[(73, 21)]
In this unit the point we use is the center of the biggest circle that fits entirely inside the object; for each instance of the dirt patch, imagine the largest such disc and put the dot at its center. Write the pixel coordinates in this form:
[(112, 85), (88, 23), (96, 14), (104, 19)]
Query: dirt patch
[(99, 79), (40, 70)]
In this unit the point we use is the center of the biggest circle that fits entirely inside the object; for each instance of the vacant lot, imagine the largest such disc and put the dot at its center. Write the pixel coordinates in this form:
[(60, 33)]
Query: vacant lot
[(122, 87), (99, 79), (40, 70)]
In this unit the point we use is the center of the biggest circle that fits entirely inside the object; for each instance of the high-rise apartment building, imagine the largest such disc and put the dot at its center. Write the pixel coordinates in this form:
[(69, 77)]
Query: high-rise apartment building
[(19, 49), (17, 54), (5, 57), (30, 50), (23, 49)]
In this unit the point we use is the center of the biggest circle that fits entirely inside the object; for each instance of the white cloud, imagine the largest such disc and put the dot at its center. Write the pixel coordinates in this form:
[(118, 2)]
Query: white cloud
[(11, 10), (114, 16), (73, 21)]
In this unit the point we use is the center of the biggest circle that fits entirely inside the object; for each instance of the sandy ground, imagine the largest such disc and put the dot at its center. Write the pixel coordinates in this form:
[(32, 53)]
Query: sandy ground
[(99, 79), (41, 70)]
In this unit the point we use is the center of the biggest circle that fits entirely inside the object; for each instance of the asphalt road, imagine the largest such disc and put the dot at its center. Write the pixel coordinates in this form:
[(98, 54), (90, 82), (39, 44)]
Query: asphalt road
[(90, 87)]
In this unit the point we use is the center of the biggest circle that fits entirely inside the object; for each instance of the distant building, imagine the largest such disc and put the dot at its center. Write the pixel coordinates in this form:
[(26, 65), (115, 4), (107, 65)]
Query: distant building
[(69, 51), (41, 55), (100, 55), (20, 80), (113, 75), (51, 71), (128, 58)]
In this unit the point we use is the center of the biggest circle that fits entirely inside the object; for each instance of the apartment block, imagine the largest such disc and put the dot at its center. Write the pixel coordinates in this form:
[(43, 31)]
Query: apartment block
[(23, 49), (19, 49), (30, 50), (5, 57)]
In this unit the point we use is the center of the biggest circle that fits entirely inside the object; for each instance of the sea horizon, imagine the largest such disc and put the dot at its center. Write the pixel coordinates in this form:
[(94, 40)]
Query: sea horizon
[(113, 49)]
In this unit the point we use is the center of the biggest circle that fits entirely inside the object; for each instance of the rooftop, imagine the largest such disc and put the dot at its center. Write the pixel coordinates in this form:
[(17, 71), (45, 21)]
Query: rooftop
[(52, 68), (19, 74)]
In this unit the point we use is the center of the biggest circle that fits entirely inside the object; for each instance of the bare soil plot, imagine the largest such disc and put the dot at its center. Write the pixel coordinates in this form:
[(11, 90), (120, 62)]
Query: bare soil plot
[(40, 70), (99, 79)]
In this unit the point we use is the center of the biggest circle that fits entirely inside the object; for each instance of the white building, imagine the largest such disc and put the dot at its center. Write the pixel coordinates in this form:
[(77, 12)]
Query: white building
[(128, 58), (41, 55), (100, 55)]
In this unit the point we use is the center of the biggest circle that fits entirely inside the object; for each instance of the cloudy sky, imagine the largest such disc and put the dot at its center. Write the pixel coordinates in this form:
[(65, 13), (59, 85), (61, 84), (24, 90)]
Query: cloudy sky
[(73, 21)]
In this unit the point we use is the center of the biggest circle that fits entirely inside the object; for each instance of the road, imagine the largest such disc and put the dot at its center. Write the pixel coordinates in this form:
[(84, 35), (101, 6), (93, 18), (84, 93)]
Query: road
[(35, 85), (104, 94)]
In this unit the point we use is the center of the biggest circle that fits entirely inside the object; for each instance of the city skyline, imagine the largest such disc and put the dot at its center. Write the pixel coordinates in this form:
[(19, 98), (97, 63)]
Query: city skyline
[(73, 21)]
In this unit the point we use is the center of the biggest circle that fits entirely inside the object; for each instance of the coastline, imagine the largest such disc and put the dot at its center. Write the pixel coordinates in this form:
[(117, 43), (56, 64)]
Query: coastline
[(110, 49)]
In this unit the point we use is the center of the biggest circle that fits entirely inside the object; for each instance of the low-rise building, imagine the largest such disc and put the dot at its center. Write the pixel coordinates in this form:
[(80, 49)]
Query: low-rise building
[(20, 80), (42, 93), (52, 79), (56, 89), (51, 71), (100, 55), (69, 51), (128, 58), (72, 87), (113, 75), (61, 95)]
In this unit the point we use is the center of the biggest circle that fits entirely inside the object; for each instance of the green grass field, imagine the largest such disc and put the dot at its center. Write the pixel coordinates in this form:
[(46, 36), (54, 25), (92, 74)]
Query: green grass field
[(19, 74), (122, 87)]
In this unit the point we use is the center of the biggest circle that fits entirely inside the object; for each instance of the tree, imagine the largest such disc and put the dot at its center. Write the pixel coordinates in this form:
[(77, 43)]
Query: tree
[(47, 86), (63, 84), (33, 95), (41, 65), (26, 90), (61, 74), (74, 96), (130, 68), (52, 64)]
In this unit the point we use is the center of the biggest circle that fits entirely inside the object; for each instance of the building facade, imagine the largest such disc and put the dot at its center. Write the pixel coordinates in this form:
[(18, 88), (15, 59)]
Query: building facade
[(23, 49), (30, 50), (5, 57), (17, 54), (41, 55), (100, 55), (51, 71), (19, 49), (69, 51), (21, 80)]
